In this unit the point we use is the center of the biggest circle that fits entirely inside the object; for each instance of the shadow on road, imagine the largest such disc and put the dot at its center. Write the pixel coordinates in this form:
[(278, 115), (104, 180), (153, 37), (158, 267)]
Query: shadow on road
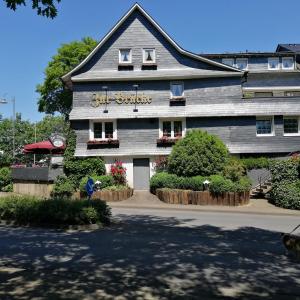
[(146, 257)]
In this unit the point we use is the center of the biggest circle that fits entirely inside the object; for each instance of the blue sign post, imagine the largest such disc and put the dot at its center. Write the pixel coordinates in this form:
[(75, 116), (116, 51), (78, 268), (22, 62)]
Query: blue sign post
[(89, 187)]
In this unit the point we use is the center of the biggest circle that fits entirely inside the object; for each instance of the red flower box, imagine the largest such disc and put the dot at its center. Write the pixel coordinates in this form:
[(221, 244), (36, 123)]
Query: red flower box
[(109, 143)]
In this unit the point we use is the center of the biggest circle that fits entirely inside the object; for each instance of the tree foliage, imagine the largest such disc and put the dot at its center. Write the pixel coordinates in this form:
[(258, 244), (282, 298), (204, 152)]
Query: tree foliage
[(25, 134), (199, 153), (46, 8), (76, 168), (54, 97)]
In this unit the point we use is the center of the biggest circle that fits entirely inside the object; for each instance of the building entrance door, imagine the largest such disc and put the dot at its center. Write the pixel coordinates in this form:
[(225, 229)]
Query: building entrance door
[(141, 174)]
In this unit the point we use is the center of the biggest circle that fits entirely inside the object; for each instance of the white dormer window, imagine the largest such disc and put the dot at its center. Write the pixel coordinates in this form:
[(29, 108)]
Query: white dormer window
[(149, 56), (177, 90), (288, 63), (228, 61), (273, 63), (242, 63), (125, 56)]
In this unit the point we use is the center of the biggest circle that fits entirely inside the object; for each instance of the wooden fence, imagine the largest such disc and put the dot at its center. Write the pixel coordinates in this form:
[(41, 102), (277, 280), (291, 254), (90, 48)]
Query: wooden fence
[(109, 196), (202, 198)]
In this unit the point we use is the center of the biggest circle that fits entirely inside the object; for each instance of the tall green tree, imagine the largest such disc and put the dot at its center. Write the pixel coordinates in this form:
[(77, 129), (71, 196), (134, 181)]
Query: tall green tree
[(54, 96), (46, 8)]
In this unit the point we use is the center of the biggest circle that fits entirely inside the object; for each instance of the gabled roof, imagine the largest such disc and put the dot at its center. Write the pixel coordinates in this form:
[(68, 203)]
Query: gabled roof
[(135, 7), (288, 47)]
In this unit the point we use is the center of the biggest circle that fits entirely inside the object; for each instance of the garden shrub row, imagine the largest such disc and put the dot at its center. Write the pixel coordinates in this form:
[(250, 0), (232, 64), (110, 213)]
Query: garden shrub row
[(256, 162), (31, 210), (218, 183)]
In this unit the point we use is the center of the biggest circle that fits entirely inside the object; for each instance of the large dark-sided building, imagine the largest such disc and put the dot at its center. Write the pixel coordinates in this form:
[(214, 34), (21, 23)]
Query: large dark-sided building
[(138, 92)]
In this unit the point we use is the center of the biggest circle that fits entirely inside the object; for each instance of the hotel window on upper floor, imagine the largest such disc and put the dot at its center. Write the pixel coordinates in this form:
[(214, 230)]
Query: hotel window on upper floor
[(175, 128), (125, 56), (176, 90), (228, 62), (291, 125), (149, 56), (242, 63), (287, 63), (103, 130), (273, 63), (265, 126)]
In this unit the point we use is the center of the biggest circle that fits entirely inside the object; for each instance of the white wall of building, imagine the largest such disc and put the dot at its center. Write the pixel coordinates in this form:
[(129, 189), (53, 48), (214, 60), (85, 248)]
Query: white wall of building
[(128, 164)]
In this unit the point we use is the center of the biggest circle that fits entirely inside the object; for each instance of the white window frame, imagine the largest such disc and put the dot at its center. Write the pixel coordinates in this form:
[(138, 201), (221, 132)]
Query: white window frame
[(130, 56), (278, 63), (272, 126), (245, 59), (292, 134), (144, 56), (228, 59), (176, 97), (292, 67), (91, 131), (183, 121)]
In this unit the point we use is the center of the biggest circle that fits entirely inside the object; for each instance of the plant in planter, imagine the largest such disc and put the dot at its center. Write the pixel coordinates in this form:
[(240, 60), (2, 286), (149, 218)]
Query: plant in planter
[(118, 172)]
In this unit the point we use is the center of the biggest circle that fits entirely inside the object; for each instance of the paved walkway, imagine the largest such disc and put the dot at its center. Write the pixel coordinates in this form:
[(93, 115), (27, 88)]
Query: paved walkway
[(163, 255), (143, 199)]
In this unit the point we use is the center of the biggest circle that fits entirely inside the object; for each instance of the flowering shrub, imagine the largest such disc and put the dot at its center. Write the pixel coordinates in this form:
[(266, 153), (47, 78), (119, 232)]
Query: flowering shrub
[(118, 172), (161, 164)]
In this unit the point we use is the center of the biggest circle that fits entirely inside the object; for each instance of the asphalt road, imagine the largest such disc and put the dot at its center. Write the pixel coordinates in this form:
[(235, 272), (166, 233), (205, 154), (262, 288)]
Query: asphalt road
[(153, 254)]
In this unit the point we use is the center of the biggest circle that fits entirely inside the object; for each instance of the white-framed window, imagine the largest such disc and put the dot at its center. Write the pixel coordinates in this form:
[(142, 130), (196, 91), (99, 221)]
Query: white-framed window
[(265, 126), (125, 56), (149, 56), (273, 63), (228, 62), (177, 89), (291, 125), (288, 63), (242, 63), (103, 130), (172, 128)]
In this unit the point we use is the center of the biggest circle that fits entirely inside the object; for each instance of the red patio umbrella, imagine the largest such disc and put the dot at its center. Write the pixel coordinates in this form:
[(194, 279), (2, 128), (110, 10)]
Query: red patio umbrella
[(44, 147)]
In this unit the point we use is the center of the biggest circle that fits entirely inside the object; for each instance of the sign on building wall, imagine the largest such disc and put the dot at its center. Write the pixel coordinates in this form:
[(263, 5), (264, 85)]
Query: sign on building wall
[(120, 98)]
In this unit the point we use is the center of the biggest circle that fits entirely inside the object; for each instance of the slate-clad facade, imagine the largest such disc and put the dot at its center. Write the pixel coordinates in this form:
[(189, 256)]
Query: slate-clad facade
[(138, 92)]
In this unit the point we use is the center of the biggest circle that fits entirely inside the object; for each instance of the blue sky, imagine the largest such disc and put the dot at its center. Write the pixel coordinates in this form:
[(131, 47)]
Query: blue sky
[(28, 41)]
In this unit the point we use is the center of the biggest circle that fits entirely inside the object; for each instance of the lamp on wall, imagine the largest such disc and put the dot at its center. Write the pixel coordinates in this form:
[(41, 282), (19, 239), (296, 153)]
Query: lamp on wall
[(135, 86), (105, 88)]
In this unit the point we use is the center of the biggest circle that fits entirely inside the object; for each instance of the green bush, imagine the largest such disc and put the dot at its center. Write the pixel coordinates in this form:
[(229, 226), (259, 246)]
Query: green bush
[(218, 183), (106, 180), (256, 162), (284, 170), (198, 153), (116, 188), (5, 179), (163, 180), (234, 170), (76, 167), (286, 194), (28, 209), (63, 187)]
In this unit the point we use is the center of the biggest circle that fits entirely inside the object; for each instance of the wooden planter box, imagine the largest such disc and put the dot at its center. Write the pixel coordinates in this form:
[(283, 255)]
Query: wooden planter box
[(202, 198), (103, 144), (109, 196)]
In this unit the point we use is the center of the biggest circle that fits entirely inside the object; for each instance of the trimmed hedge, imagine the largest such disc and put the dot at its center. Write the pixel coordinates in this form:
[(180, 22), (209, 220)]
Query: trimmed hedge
[(284, 170), (198, 153), (286, 195), (256, 162), (31, 210), (218, 184)]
